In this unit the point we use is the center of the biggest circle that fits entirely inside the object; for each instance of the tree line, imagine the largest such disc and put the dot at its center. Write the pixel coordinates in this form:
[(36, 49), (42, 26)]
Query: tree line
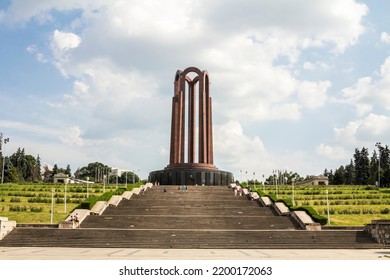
[(363, 169), (23, 168)]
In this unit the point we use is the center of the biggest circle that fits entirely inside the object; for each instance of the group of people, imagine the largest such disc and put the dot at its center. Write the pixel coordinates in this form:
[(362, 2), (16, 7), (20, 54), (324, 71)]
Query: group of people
[(75, 220), (182, 187)]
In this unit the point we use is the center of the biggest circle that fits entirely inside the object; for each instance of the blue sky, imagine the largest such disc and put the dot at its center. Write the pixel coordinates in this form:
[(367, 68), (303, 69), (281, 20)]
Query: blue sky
[(296, 85)]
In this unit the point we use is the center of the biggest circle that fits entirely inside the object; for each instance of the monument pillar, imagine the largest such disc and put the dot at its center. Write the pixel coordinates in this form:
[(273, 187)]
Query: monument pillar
[(185, 168)]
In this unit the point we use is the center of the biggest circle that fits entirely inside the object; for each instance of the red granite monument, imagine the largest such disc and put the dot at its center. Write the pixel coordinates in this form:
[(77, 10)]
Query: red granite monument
[(191, 160)]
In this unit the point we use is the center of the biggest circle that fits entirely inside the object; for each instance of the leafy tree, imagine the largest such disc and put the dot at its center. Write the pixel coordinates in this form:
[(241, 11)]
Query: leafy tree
[(95, 171), (339, 176)]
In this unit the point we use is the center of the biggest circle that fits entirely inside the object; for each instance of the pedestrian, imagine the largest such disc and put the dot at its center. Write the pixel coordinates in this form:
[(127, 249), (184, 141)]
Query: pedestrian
[(76, 220)]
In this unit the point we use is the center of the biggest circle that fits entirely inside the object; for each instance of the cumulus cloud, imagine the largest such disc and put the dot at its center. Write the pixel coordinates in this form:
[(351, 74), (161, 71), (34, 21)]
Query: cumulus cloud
[(313, 94), (65, 40), (385, 37), (235, 149), (369, 129), (368, 92), (333, 152), (120, 57)]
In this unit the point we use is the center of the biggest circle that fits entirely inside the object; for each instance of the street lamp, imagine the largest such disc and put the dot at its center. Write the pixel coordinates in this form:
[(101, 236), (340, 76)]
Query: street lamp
[(104, 183), (87, 187), (276, 185), (263, 183), (6, 140), (327, 207), (254, 182), (52, 205), (246, 177), (293, 198), (65, 199), (378, 145)]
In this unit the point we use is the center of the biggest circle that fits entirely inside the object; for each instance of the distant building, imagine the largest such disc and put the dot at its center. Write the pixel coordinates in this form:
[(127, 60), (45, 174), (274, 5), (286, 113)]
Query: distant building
[(315, 181), (61, 178)]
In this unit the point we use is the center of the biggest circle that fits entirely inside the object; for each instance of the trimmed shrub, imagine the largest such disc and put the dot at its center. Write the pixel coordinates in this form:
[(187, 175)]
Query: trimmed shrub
[(17, 208), (36, 209), (312, 213)]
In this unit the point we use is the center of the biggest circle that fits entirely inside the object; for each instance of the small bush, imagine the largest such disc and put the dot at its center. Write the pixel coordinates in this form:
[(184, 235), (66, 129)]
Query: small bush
[(36, 209), (17, 208), (385, 211), (14, 199)]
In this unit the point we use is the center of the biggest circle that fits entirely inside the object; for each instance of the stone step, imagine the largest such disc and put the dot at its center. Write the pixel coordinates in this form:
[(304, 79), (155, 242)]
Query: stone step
[(182, 239), (187, 222)]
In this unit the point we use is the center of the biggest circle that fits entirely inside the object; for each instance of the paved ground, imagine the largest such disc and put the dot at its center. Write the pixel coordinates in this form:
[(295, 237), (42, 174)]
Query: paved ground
[(39, 253)]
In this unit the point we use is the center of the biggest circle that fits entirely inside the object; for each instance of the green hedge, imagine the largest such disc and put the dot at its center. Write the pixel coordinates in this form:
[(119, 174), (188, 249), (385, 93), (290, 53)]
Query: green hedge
[(288, 201), (90, 201), (312, 213)]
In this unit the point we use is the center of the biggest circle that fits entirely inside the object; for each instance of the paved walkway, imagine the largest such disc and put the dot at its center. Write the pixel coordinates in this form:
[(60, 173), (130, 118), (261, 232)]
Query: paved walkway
[(41, 253)]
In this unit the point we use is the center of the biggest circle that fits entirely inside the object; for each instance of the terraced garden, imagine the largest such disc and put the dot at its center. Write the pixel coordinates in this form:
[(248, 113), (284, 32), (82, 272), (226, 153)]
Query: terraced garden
[(31, 203), (348, 205)]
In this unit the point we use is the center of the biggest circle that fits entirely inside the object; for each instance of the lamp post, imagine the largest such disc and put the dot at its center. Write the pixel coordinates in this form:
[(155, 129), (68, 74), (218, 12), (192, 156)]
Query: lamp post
[(87, 187), (254, 182), (263, 183), (65, 200), (104, 183), (126, 180), (276, 185), (246, 178), (6, 140), (327, 206), (52, 205), (378, 145), (293, 197)]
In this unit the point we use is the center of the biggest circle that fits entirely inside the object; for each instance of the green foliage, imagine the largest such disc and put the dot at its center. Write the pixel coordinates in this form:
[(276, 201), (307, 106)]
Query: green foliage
[(312, 213), (17, 208)]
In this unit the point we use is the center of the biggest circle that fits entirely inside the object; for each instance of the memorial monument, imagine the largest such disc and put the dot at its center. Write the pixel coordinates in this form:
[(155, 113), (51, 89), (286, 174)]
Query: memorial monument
[(191, 160)]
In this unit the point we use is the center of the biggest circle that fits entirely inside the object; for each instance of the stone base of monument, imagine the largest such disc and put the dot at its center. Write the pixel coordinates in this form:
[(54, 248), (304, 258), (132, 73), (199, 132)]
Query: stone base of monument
[(191, 176)]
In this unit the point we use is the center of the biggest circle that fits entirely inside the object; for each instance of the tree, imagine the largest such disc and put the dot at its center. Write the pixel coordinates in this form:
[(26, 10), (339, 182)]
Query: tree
[(37, 170), (385, 166), (349, 173), (362, 167), (95, 171), (68, 171), (373, 169), (339, 176), (47, 174)]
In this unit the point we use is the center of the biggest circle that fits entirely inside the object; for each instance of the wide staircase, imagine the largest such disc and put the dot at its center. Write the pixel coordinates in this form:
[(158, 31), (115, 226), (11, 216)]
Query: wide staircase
[(201, 217)]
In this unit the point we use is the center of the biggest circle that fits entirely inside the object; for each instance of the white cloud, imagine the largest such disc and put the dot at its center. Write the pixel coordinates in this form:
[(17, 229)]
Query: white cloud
[(120, 58), (365, 131), (313, 94), (72, 136), (238, 151), (385, 37), (65, 40), (333, 152), (367, 92), (307, 65)]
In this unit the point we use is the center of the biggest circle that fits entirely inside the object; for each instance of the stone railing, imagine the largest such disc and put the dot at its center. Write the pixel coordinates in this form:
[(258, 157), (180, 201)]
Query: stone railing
[(379, 230), (6, 226)]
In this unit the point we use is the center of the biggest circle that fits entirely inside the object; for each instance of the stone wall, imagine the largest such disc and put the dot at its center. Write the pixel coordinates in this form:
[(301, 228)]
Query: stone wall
[(6, 226), (379, 230)]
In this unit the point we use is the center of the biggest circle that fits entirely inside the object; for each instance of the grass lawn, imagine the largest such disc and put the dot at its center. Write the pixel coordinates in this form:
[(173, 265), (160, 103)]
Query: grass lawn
[(31, 203)]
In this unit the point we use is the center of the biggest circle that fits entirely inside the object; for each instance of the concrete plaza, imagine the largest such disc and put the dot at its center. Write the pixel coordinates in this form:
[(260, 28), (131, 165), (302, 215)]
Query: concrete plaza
[(56, 253)]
